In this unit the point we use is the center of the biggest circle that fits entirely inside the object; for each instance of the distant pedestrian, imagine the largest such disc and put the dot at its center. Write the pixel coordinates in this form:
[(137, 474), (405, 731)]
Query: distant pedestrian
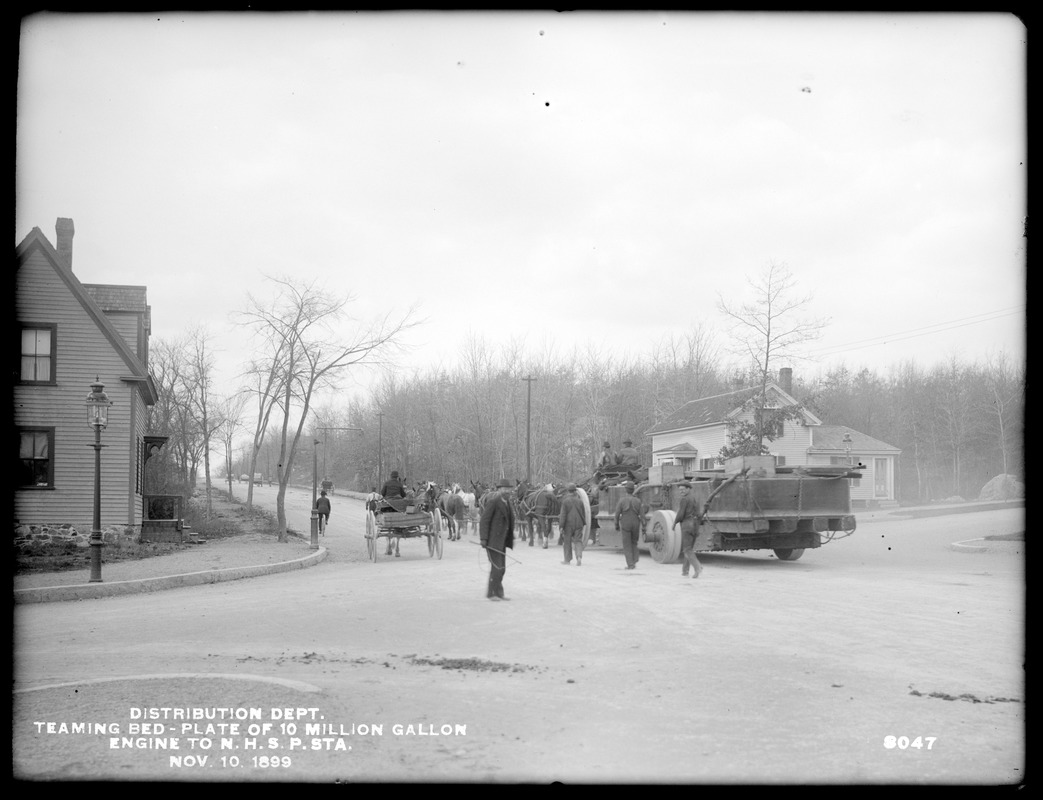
[(323, 506), (496, 533), (572, 520), (630, 520), (688, 518)]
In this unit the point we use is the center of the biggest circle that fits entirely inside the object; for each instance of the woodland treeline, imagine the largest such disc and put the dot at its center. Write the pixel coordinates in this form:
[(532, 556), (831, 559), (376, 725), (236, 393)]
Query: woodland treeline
[(958, 424)]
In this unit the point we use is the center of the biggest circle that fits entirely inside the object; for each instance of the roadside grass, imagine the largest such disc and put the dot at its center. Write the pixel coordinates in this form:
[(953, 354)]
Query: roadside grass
[(228, 518)]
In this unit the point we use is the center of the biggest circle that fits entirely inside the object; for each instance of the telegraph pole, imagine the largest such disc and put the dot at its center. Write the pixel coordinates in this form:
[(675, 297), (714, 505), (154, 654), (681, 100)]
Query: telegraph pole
[(380, 447), (528, 431)]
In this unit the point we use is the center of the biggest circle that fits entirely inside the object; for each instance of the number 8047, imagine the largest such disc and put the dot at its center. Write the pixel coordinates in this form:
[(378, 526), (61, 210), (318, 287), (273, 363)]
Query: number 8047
[(905, 743)]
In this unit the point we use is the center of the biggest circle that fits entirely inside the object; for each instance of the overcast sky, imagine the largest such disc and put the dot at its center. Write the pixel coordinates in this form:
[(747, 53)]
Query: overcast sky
[(569, 180)]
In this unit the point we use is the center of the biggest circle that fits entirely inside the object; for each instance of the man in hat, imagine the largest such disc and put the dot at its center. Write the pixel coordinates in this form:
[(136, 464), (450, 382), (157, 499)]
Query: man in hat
[(688, 513), (496, 533), (572, 519), (630, 519), (322, 505), (629, 456), (608, 458), (394, 486)]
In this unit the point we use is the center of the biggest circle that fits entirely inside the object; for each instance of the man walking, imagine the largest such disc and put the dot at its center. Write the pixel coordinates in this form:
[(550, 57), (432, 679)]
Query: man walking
[(688, 518), (322, 505), (630, 518), (496, 533), (572, 519)]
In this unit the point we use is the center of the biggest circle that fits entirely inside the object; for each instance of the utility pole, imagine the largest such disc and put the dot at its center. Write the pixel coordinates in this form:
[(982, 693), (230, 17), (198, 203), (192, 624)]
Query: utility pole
[(528, 431), (380, 447)]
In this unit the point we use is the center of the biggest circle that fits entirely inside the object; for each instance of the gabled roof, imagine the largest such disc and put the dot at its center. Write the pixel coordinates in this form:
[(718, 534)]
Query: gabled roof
[(831, 438), (678, 449), (717, 409), (139, 373)]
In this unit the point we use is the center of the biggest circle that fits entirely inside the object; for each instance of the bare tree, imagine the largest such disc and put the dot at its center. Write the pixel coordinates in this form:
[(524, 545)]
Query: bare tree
[(199, 378), (302, 333), (230, 411), (770, 328)]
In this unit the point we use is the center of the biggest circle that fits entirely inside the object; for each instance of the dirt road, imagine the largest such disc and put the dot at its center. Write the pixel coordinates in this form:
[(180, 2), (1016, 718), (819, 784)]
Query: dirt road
[(885, 657)]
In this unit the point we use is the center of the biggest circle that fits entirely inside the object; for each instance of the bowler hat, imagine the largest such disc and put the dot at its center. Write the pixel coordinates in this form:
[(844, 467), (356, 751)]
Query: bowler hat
[(394, 473), (503, 483), (570, 487), (629, 486), (606, 444)]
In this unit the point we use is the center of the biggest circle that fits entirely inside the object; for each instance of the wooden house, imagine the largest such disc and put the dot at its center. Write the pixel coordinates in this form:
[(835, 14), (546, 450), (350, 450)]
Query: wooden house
[(693, 435), (73, 334)]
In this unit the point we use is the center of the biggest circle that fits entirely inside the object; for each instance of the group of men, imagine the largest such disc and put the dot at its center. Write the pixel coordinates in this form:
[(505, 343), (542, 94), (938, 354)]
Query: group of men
[(628, 456), (497, 521)]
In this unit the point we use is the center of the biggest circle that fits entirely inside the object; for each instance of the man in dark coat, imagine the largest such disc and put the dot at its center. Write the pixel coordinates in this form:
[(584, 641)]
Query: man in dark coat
[(630, 517), (322, 505), (496, 532), (572, 519), (688, 513), (394, 486)]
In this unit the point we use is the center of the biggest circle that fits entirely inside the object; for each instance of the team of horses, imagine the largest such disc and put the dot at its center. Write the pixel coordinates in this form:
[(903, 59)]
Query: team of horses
[(536, 508)]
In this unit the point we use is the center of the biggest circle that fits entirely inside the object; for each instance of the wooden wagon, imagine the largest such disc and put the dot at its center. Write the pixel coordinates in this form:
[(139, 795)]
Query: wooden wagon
[(396, 519)]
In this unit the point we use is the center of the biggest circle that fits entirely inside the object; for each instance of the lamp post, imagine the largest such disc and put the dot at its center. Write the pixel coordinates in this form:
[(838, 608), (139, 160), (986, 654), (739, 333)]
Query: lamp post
[(847, 447), (97, 417)]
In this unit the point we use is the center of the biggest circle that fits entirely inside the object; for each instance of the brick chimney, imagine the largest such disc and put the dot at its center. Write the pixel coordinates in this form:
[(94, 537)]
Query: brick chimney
[(65, 231), (786, 379)]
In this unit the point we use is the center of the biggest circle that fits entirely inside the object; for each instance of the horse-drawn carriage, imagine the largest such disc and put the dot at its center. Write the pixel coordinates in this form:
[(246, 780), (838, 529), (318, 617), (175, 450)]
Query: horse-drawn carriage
[(396, 519)]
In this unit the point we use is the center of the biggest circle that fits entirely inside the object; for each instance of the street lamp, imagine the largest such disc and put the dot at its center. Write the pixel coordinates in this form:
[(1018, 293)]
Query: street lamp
[(847, 447), (97, 417)]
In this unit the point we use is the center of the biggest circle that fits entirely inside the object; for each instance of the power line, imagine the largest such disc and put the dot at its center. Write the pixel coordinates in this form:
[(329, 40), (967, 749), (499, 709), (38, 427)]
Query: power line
[(927, 330)]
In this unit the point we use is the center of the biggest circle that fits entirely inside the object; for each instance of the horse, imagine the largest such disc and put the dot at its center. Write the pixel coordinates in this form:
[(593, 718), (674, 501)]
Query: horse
[(542, 505)]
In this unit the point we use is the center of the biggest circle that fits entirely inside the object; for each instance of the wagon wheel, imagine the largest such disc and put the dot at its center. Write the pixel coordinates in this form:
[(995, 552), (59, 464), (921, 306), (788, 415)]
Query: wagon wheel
[(789, 554), (664, 542), (371, 536)]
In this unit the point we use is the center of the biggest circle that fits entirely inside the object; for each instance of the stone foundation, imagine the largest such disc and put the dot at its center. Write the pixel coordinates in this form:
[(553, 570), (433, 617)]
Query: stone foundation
[(64, 533)]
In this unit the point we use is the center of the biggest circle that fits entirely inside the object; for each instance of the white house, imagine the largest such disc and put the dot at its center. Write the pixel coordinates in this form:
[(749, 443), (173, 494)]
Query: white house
[(693, 435)]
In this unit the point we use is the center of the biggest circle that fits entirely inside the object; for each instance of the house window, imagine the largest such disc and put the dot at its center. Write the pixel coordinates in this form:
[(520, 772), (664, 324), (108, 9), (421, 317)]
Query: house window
[(34, 454), (38, 352), (780, 461), (706, 463)]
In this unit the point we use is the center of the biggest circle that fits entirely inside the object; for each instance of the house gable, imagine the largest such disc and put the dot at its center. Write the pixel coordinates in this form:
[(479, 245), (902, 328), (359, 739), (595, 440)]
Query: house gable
[(36, 243), (719, 409)]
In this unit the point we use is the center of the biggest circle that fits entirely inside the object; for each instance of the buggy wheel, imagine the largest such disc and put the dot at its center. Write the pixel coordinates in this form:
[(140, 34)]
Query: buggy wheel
[(438, 544), (788, 554)]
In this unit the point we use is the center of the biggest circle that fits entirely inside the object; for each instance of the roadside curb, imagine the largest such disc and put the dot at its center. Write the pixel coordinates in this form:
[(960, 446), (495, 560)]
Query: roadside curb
[(91, 591)]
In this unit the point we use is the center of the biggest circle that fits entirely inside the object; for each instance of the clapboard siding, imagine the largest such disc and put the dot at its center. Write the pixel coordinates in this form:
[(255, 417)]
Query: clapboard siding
[(84, 352)]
